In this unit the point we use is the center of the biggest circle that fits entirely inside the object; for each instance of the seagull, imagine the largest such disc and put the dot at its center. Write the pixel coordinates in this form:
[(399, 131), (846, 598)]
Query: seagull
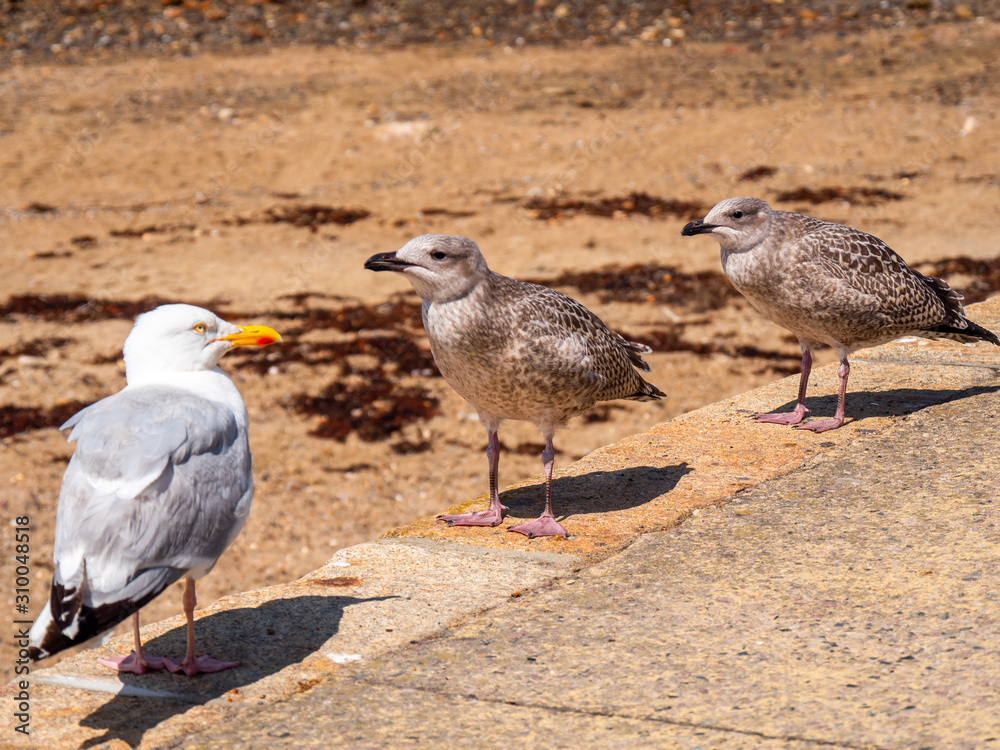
[(158, 487), (514, 350), (829, 284)]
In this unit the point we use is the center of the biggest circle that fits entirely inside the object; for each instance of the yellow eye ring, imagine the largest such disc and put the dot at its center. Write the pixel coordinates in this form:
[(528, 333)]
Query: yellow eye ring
[(199, 328)]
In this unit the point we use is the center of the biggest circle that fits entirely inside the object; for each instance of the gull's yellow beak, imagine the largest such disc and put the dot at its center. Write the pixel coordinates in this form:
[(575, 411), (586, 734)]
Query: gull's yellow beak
[(252, 336)]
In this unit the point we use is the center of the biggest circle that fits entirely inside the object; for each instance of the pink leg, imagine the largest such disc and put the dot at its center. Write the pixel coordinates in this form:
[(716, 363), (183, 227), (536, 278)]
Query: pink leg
[(494, 514), (136, 662), (795, 416), (838, 419), (195, 665), (546, 524)]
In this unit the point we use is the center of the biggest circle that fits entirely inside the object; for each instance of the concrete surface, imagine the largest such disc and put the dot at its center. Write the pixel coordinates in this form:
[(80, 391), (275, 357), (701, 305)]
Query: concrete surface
[(727, 585)]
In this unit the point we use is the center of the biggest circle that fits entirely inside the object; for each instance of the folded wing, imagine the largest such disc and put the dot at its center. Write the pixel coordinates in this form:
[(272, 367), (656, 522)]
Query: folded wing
[(158, 487)]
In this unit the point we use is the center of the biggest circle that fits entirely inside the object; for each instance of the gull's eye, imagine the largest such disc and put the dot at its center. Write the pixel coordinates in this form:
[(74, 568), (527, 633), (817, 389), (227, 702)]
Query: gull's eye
[(199, 328), (737, 214), (438, 255)]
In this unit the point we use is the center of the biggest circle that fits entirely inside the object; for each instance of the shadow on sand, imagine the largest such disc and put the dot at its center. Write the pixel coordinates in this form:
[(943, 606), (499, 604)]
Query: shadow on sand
[(265, 639)]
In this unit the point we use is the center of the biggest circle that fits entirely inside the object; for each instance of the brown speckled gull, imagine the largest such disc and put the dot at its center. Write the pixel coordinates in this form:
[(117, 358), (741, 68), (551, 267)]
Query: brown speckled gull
[(514, 350), (829, 284)]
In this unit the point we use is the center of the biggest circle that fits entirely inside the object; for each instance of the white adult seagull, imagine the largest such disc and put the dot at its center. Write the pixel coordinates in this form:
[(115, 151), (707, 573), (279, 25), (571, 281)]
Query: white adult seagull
[(159, 486)]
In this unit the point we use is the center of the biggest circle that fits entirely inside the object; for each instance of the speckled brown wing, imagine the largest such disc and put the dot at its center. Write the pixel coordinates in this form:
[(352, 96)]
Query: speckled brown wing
[(900, 298), (566, 338)]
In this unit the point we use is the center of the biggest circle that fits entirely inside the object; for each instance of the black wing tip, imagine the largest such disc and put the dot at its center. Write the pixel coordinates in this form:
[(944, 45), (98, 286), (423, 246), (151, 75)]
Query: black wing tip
[(67, 608), (53, 641), (969, 332), (91, 622), (983, 333), (972, 333), (53, 638), (649, 392)]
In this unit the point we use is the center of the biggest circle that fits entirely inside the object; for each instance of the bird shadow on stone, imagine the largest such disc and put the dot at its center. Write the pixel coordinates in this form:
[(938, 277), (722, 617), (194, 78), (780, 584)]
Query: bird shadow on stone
[(894, 402), (597, 491), (264, 639)]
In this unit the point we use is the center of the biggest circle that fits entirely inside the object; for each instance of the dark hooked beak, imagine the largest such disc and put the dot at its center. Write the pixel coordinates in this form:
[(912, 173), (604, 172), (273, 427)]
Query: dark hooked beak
[(698, 226), (386, 262)]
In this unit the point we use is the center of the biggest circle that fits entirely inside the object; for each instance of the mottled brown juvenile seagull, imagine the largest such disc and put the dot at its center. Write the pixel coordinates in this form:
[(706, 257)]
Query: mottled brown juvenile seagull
[(829, 284), (514, 350)]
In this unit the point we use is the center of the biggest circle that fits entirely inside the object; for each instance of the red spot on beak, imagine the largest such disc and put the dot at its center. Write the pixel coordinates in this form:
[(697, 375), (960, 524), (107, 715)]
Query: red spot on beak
[(264, 341)]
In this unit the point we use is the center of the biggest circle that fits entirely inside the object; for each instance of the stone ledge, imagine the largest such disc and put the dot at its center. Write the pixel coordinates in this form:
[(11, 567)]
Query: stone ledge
[(375, 598)]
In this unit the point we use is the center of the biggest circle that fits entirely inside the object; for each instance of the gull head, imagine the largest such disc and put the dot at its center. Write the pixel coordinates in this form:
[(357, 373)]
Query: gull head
[(739, 224), (441, 267), (185, 338)]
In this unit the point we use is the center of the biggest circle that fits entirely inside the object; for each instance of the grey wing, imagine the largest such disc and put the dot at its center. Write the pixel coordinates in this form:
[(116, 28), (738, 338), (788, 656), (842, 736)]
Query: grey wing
[(885, 289), (159, 485)]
